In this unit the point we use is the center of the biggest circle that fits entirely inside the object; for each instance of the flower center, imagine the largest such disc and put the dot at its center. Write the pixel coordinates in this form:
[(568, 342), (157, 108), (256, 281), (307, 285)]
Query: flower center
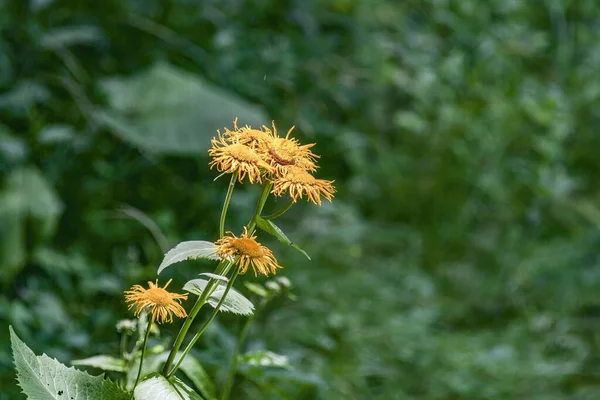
[(158, 296), (242, 153), (248, 247)]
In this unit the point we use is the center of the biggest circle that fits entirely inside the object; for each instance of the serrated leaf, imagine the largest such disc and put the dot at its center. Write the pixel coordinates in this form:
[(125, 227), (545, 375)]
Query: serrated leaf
[(190, 250), (159, 388), (104, 362), (170, 111), (44, 378), (272, 229), (235, 302)]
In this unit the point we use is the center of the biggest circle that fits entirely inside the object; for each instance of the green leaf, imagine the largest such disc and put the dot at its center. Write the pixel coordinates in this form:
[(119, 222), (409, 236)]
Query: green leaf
[(235, 302), (24, 95), (272, 229), (159, 388), (106, 363), (38, 199), (170, 111), (12, 149), (256, 289), (196, 373), (44, 378), (190, 367), (215, 276), (190, 250)]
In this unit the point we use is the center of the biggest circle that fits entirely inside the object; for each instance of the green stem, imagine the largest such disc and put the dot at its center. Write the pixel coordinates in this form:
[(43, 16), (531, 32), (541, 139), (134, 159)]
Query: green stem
[(146, 336), (238, 348), (190, 345), (281, 211), (223, 267), (226, 204), (260, 204)]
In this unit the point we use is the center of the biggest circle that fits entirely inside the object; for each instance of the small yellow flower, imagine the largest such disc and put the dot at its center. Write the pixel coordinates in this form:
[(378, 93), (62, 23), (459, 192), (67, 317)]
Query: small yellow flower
[(247, 252), (284, 152), (298, 181), (162, 303), (237, 157)]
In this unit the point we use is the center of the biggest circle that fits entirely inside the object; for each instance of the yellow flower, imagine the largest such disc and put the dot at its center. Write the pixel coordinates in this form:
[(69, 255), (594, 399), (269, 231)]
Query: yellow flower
[(247, 135), (162, 303), (297, 181), (247, 252), (237, 157), (284, 152)]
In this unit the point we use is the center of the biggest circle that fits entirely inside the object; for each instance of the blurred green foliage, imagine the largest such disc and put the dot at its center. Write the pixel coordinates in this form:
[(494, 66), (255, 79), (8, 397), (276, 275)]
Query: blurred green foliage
[(460, 258)]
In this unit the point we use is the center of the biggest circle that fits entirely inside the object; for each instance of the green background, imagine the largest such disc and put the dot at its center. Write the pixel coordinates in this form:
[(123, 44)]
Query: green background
[(460, 258)]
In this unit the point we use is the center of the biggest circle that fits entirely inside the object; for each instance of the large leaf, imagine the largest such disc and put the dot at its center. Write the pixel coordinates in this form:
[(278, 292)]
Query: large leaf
[(272, 229), (191, 250), (159, 388), (170, 111), (28, 197), (37, 198), (106, 363), (235, 302), (44, 378)]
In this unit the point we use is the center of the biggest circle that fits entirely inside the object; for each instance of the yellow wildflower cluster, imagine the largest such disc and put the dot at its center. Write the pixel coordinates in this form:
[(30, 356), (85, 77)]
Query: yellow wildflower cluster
[(262, 154)]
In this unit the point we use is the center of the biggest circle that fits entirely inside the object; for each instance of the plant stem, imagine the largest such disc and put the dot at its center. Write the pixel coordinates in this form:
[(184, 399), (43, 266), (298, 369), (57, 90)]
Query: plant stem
[(146, 336), (226, 204), (238, 348), (281, 211), (190, 345), (221, 269), (260, 204)]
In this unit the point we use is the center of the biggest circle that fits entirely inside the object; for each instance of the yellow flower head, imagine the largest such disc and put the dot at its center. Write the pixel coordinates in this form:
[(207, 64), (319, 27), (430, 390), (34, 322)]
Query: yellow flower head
[(250, 137), (297, 181), (247, 252), (237, 157), (285, 152), (162, 303)]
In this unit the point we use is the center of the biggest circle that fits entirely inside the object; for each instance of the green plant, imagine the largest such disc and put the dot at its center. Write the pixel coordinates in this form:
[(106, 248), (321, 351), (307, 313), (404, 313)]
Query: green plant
[(283, 167)]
